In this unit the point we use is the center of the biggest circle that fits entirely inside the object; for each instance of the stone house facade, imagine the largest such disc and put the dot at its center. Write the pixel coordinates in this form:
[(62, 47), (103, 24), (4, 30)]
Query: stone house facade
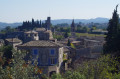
[(44, 34), (47, 55), (30, 36), (89, 52)]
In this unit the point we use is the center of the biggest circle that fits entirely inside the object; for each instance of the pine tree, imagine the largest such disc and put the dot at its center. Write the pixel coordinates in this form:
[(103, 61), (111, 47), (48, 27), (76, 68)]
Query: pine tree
[(112, 44)]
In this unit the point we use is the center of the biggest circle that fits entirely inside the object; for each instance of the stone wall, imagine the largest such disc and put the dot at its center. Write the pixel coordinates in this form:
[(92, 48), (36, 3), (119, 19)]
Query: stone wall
[(30, 37), (44, 56), (89, 52)]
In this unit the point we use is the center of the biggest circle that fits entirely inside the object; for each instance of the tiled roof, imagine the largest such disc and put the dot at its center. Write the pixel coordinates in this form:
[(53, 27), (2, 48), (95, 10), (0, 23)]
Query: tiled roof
[(31, 31), (13, 40), (40, 29), (66, 49), (48, 31), (40, 43), (76, 41)]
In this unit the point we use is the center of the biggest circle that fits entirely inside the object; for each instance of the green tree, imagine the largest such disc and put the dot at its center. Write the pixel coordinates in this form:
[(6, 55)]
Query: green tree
[(6, 52), (72, 45), (18, 68), (56, 76), (73, 75), (68, 43), (105, 67), (85, 29), (112, 44), (66, 34)]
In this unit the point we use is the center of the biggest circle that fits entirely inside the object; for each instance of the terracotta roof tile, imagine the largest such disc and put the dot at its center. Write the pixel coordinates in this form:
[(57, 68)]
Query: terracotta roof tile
[(40, 43), (13, 40)]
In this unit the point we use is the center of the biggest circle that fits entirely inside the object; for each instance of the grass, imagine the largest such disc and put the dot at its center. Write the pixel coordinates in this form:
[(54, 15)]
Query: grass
[(91, 35)]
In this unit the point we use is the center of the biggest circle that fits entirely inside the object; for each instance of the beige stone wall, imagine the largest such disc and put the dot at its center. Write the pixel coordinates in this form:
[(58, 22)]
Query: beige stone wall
[(60, 56), (45, 35), (30, 37), (15, 44), (90, 52)]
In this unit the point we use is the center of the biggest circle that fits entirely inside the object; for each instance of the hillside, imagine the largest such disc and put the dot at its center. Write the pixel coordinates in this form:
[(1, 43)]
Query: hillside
[(59, 21)]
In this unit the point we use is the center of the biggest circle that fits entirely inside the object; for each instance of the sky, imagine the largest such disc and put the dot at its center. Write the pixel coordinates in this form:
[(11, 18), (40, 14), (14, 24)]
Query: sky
[(22, 10)]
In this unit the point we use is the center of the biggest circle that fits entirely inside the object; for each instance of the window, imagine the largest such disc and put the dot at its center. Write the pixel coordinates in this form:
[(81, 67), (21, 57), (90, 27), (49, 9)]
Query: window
[(35, 34), (52, 52), (35, 51), (28, 35), (52, 61)]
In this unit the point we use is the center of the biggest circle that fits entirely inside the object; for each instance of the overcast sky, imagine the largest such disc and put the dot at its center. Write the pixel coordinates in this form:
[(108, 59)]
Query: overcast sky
[(22, 10)]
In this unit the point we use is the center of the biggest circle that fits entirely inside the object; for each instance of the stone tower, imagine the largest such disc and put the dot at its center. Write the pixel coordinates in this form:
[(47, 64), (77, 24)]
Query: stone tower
[(48, 23), (73, 26)]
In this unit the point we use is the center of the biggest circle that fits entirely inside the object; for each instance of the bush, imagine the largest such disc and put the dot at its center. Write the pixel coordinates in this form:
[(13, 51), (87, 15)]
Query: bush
[(56, 76), (103, 68), (73, 75)]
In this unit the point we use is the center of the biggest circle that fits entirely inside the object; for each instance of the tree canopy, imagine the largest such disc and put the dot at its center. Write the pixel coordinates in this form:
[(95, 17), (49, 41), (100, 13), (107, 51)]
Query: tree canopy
[(112, 39)]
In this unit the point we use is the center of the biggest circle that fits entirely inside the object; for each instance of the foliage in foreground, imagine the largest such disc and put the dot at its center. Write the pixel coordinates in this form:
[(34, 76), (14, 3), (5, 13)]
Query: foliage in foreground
[(17, 68), (105, 67)]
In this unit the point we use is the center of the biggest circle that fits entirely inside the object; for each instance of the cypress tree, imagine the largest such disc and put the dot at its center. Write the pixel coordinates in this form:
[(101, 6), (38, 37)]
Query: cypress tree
[(33, 22), (69, 43), (37, 23), (113, 36), (40, 24)]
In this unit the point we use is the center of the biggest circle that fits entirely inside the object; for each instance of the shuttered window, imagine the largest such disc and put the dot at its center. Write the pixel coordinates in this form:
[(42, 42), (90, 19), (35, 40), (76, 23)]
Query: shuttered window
[(52, 61), (35, 51), (52, 52)]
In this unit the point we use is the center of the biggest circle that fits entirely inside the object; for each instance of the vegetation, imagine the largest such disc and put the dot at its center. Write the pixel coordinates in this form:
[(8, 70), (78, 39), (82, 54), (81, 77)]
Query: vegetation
[(66, 35), (106, 67), (16, 67), (87, 34), (113, 36), (72, 45), (58, 37), (62, 29), (31, 25), (68, 43), (81, 29), (8, 29)]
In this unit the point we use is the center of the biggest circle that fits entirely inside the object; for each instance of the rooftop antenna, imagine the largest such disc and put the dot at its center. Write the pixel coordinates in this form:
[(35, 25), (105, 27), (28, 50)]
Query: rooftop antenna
[(49, 13)]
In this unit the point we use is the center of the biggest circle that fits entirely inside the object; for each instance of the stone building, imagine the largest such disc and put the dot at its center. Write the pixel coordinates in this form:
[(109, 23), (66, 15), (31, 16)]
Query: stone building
[(44, 34), (48, 23), (1, 42), (13, 41), (91, 43), (47, 55), (30, 36)]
